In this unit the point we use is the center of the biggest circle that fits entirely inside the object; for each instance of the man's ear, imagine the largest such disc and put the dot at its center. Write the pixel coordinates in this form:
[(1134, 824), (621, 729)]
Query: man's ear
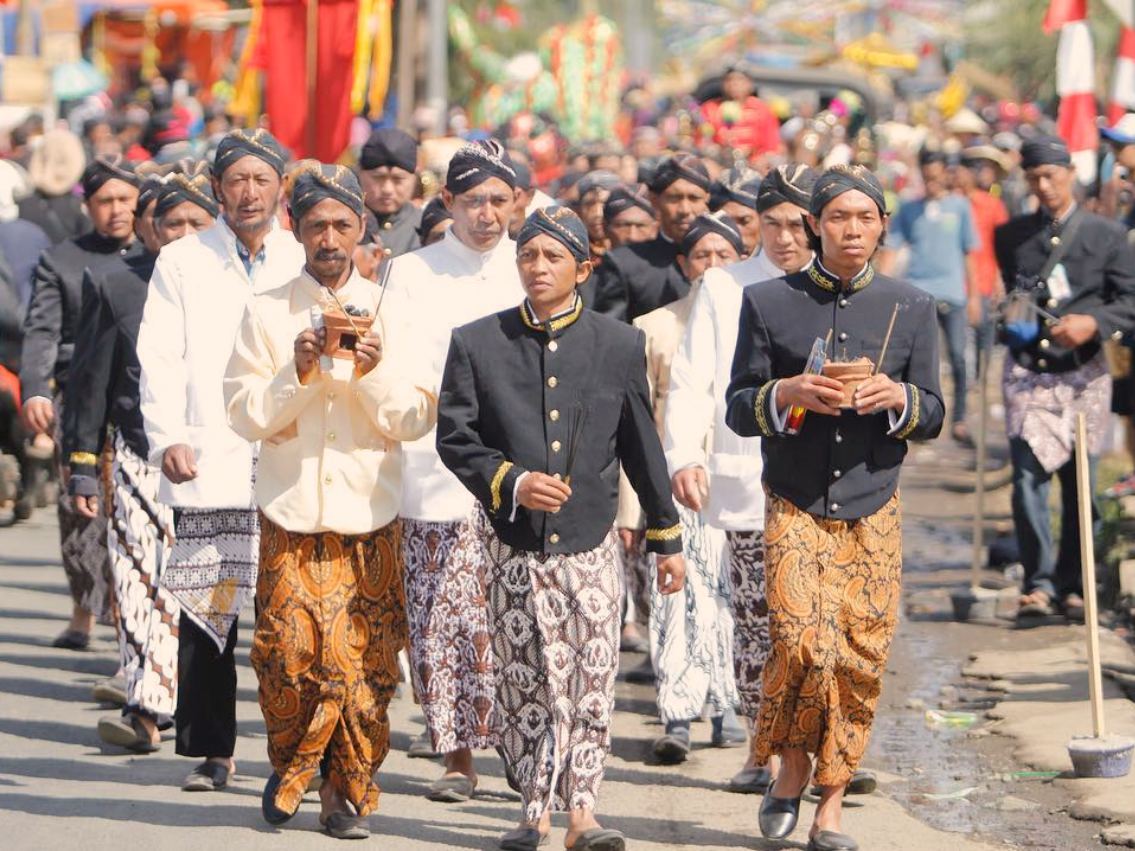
[(447, 198), (684, 265), (583, 272)]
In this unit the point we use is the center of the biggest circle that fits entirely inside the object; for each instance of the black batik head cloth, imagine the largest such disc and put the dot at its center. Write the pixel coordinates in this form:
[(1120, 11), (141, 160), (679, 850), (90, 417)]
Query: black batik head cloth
[(1045, 150), (191, 185), (621, 199), (147, 193), (242, 143), (791, 183), (845, 178), (389, 147), (738, 184), (433, 214), (707, 223), (477, 162), (680, 167), (561, 224), (102, 170), (600, 179), (315, 181)]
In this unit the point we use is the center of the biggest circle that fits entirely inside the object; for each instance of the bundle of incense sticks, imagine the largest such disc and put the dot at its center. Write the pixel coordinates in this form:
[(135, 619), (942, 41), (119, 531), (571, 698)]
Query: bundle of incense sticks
[(886, 340), (578, 420)]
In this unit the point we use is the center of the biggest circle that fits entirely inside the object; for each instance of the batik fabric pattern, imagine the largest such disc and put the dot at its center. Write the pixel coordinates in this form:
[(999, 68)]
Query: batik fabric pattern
[(636, 569), (331, 622), (1041, 408), (212, 568), (691, 631), (138, 542), (555, 622), (82, 540), (745, 551), (451, 656), (834, 588)]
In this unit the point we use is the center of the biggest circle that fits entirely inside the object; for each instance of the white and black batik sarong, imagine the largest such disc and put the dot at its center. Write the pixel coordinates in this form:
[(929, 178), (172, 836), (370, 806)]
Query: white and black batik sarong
[(138, 542), (555, 622), (212, 568), (691, 631)]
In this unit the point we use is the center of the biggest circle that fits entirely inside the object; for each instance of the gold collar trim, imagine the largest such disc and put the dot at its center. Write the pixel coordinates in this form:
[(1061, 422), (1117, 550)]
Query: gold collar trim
[(557, 323), (825, 280)]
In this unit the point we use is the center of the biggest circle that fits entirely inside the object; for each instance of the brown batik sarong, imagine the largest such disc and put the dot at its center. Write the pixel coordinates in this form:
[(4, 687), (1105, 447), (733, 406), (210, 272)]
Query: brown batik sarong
[(331, 622), (450, 646), (833, 597), (555, 627)]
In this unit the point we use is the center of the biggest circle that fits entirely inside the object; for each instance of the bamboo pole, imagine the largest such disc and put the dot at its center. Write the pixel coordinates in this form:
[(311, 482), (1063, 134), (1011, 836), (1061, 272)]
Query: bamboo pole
[(312, 44), (1088, 566), (978, 560)]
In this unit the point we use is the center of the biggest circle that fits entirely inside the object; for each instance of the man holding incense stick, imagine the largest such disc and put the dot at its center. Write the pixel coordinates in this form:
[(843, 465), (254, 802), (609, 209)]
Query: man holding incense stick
[(833, 533), (537, 434)]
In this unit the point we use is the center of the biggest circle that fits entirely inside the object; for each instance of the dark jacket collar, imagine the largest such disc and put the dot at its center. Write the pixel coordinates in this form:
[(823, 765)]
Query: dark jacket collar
[(831, 282), (557, 323)]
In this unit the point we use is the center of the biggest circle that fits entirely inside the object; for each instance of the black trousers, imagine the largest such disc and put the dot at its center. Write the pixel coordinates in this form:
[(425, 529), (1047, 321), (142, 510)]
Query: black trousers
[(206, 693)]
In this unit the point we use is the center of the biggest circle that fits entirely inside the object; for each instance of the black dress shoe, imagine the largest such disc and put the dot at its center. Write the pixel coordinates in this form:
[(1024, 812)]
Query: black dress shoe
[(829, 840), (641, 674), (778, 816), (272, 813), (862, 782)]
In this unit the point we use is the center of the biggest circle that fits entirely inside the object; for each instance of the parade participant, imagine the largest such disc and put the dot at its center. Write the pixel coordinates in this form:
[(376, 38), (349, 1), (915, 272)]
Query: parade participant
[(469, 273), (56, 164), (525, 422), (636, 279), (388, 165), (832, 529), (939, 231), (741, 120), (691, 632), (436, 220), (1079, 268), (104, 393), (50, 329), (328, 485), (594, 190), (735, 194), (200, 287), (628, 217)]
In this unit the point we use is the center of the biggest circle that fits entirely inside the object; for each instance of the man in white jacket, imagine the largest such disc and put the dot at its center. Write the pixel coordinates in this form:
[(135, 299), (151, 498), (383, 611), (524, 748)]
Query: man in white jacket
[(714, 471), (198, 294), (469, 273)]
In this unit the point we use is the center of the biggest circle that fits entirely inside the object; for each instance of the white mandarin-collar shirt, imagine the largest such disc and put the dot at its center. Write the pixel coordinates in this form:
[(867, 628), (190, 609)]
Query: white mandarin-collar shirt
[(198, 293), (446, 285), (330, 451)]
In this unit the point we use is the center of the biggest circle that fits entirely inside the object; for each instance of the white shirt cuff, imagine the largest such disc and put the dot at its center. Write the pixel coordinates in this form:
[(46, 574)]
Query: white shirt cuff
[(898, 421), (515, 491), (775, 416)]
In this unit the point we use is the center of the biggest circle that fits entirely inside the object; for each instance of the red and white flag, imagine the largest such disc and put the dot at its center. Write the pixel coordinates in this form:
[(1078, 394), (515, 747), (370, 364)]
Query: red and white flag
[(1123, 83), (1075, 83)]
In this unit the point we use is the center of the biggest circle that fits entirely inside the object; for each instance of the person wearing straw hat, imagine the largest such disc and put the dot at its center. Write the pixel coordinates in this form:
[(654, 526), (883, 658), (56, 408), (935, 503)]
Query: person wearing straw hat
[(323, 375), (1074, 273), (50, 329), (198, 292), (833, 533), (537, 435), (468, 274), (105, 397)]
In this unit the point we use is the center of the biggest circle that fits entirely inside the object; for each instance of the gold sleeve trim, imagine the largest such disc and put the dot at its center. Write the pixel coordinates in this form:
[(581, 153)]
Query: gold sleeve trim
[(916, 408), (495, 487), (670, 534), (88, 458), (760, 409)]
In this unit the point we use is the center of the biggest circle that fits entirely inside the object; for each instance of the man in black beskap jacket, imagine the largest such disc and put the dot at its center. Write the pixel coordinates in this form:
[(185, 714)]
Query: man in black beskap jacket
[(50, 328), (1079, 269), (833, 531), (536, 431), (635, 279)]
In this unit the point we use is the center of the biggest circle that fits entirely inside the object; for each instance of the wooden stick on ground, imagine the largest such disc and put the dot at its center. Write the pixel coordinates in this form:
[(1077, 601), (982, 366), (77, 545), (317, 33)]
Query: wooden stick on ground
[(1088, 566)]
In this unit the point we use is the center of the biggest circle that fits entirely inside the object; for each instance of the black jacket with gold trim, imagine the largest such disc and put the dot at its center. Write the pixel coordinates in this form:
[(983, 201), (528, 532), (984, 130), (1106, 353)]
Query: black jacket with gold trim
[(509, 397), (635, 279), (843, 467)]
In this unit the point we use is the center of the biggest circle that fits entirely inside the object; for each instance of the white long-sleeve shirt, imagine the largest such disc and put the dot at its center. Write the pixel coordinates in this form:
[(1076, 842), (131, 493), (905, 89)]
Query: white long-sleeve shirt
[(695, 409), (198, 295), (330, 451), (444, 286)]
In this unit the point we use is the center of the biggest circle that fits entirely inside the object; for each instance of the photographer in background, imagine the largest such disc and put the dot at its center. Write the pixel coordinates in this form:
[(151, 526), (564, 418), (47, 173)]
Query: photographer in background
[(1079, 268)]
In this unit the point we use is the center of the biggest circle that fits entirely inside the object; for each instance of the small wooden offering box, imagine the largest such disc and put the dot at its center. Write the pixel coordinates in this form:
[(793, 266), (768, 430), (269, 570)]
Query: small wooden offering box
[(342, 334), (851, 374)]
